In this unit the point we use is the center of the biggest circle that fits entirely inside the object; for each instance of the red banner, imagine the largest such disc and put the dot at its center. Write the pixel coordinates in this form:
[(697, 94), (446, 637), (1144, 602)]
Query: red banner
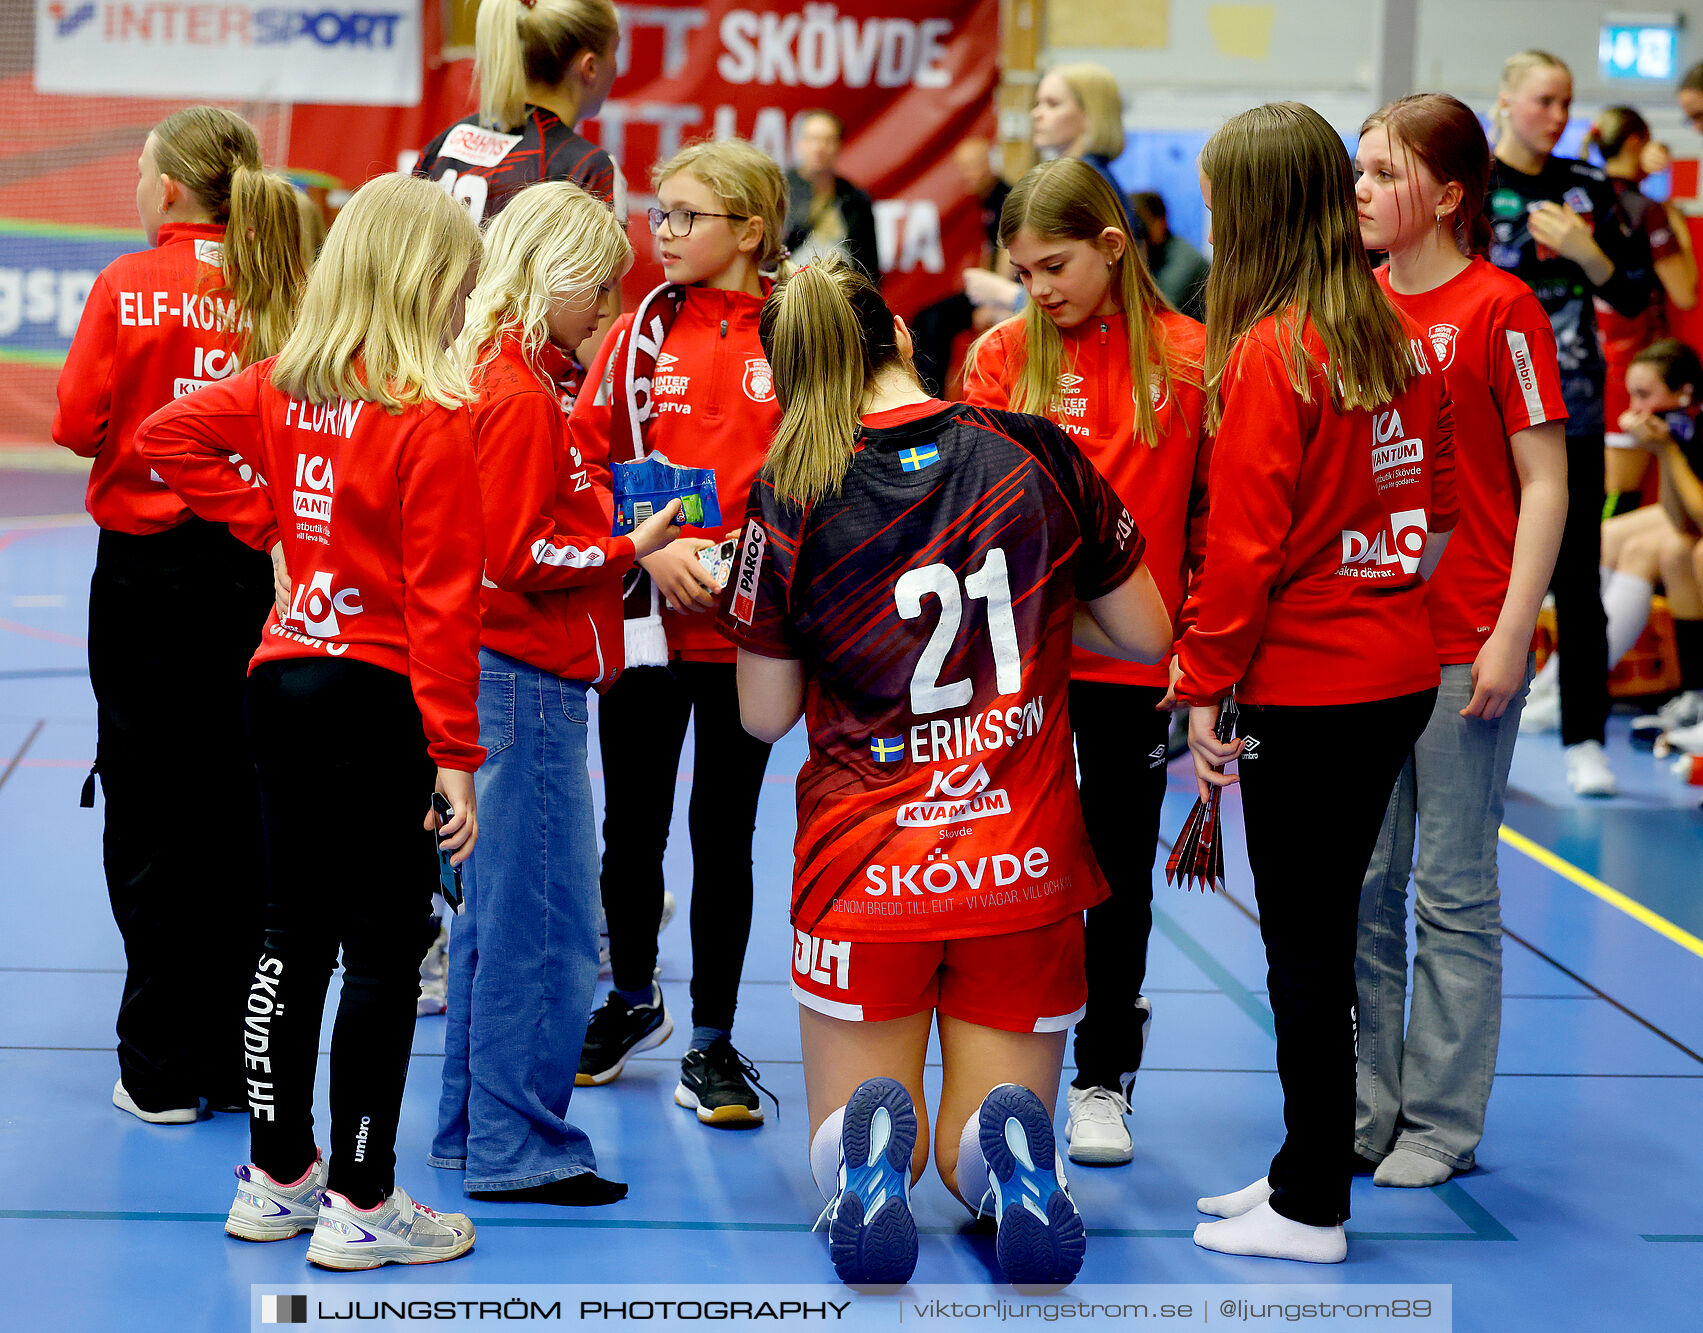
[(908, 88)]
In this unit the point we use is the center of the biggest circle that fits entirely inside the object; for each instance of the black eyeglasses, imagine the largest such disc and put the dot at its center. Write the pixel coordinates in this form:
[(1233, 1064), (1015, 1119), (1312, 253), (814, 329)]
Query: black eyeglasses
[(680, 219)]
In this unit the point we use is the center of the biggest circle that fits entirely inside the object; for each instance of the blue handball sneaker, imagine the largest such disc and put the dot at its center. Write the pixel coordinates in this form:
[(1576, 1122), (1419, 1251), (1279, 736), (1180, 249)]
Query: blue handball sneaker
[(1041, 1239), (871, 1233)]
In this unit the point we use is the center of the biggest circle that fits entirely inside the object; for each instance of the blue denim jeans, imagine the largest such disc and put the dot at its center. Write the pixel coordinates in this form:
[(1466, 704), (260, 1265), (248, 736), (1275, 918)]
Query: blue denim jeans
[(523, 952), (1425, 1089)]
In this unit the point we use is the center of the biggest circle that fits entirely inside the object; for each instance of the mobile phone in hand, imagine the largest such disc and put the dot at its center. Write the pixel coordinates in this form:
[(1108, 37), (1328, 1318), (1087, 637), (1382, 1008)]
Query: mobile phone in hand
[(449, 876)]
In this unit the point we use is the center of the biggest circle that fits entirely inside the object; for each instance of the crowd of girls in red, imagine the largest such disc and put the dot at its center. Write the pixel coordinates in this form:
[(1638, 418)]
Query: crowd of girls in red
[(968, 604)]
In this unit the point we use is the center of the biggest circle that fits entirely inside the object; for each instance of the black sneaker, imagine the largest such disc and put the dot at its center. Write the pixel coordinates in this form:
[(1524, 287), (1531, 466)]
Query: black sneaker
[(713, 1083), (616, 1032)]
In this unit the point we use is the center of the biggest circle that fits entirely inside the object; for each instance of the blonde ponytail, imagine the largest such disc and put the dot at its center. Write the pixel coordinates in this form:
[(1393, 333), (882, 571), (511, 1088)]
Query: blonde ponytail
[(215, 155), (264, 268), (827, 333), (516, 44)]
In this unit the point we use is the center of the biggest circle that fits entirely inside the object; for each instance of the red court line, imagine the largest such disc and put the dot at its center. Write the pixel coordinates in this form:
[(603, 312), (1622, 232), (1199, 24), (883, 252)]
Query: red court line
[(46, 635)]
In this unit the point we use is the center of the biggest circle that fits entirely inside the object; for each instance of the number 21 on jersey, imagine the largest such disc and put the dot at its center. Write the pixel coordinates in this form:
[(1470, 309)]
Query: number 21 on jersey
[(992, 584)]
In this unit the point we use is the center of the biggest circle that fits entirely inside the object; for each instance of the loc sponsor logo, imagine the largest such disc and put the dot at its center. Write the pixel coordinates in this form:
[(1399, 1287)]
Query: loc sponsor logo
[(1401, 542), (943, 874), (953, 799), (827, 962)]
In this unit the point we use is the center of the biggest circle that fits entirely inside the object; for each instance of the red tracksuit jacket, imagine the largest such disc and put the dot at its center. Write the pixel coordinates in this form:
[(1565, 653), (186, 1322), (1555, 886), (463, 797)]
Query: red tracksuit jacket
[(1164, 488), (1310, 593), (715, 407), (552, 591), (379, 517), (158, 324)]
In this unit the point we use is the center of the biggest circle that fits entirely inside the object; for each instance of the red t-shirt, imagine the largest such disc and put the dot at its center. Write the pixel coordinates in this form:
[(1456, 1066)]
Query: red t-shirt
[(379, 517), (930, 602), (1311, 593), (158, 324), (1164, 487), (715, 408), (1497, 350), (552, 587)]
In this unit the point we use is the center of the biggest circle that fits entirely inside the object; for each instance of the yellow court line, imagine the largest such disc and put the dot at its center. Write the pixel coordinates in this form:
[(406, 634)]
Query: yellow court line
[(1612, 896)]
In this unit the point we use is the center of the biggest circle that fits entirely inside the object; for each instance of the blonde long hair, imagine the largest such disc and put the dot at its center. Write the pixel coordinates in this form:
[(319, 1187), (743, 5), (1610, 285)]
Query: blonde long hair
[(215, 155), (552, 237), (1067, 200), (746, 180), (1096, 92), (383, 295), (828, 333), (516, 43), (1286, 238)]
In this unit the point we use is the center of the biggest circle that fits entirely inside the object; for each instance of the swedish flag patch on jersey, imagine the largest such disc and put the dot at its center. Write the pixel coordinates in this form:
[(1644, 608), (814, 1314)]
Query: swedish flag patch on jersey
[(915, 460)]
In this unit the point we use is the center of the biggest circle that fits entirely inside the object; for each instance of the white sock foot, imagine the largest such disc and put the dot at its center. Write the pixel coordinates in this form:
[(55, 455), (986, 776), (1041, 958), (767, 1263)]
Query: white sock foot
[(1234, 1205), (1267, 1234), (1411, 1170)]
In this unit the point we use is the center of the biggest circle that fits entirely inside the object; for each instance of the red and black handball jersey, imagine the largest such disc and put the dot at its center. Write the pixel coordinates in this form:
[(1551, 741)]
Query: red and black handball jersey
[(484, 168), (931, 603)]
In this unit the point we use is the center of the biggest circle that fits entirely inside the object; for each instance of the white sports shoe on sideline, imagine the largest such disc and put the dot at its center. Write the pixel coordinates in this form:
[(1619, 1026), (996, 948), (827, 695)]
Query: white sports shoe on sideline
[(1542, 712), (266, 1210), (434, 977), (177, 1115), (1687, 740), (398, 1231), (1095, 1131), (1588, 773)]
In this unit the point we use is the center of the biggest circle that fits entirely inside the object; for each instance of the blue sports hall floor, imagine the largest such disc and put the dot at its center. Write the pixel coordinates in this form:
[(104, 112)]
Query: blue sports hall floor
[(1586, 1211)]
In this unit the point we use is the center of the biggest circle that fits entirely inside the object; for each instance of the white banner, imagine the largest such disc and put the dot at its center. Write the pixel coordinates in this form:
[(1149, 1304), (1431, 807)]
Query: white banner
[(337, 51)]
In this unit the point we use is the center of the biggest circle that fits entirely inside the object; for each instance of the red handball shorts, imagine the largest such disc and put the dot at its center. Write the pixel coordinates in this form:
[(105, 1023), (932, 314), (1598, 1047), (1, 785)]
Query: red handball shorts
[(1030, 981)]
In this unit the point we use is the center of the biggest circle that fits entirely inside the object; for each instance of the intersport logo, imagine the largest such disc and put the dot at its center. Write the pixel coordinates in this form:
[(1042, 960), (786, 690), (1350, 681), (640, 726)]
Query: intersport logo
[(176, 23)]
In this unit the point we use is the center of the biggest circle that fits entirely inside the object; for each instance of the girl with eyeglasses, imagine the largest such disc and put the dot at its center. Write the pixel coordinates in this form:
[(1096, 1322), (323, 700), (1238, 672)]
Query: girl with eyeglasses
[(696, 388)]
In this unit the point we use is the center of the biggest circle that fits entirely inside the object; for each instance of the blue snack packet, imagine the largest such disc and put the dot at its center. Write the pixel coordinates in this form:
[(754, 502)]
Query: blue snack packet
[(647, 485)]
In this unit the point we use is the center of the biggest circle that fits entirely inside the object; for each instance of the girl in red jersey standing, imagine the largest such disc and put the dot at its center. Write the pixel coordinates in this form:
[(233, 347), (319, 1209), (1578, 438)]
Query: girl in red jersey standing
[(686, 377), (1096, 337), (1332, 493), (910, 579), (218, 288), (1423, 167), (361, 701), (523, 955)]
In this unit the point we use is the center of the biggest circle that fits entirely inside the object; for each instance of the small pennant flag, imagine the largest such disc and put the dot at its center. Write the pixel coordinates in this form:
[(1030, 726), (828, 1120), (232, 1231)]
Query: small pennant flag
[(283, 1309), (915, 460), (886, 749)]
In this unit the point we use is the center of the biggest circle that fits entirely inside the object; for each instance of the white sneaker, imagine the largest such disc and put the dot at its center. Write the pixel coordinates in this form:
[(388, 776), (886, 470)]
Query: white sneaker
[(1588, 773), (1541, 713), (266, 1210), (1095, 1131), (1687, 740), (398, 1231), (434, 977), (177, 1115), (1683, 710)]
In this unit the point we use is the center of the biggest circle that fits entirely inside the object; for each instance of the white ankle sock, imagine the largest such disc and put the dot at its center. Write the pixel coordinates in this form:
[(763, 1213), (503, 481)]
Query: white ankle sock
[(1626, 599), (1407, 1169), (1234, 1205), (972, 1172), (1267, 1234), (825, 1153)]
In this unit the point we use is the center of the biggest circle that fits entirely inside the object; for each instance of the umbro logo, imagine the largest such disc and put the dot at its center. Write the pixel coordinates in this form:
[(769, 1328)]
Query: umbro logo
[(665, 361), (1069, 382), (1250, 747), (1157, 755)]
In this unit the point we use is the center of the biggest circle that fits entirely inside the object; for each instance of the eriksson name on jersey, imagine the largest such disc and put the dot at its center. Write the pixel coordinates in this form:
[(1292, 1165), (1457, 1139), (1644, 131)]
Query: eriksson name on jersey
[(954, 738)]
